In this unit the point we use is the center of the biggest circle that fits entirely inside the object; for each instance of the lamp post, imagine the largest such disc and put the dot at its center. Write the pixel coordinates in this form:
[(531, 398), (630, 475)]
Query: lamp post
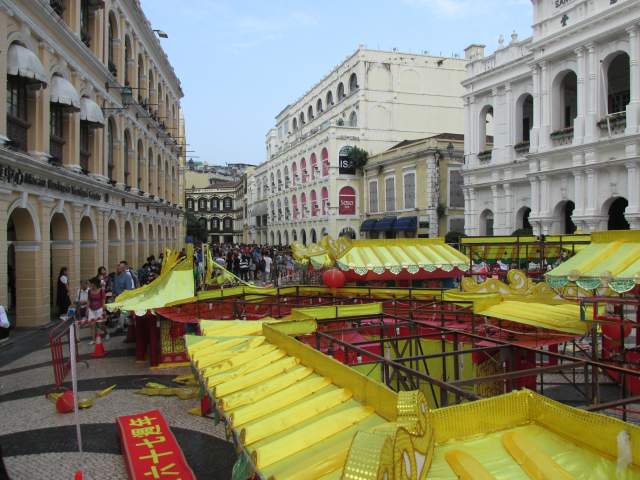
[(160, 33)]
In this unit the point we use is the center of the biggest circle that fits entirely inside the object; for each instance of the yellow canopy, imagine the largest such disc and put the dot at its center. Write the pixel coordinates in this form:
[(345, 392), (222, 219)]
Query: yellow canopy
[(510, 248), (612, 259), (175, 283)]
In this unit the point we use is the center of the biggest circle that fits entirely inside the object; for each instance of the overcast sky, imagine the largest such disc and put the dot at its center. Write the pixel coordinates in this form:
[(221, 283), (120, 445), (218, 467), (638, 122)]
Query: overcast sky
[(242, 61)]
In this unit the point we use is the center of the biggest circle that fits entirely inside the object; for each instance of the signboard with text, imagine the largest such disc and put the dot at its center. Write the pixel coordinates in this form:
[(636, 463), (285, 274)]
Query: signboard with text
[(347, 201), (345, 164), (150, 449)]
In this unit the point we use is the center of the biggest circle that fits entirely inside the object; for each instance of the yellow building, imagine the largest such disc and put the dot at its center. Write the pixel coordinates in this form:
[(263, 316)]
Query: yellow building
[(91, 146), (414, 189)]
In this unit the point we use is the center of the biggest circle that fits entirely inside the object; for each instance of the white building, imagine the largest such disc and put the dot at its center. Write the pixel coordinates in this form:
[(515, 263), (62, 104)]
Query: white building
[(563, 108), (374, 100)]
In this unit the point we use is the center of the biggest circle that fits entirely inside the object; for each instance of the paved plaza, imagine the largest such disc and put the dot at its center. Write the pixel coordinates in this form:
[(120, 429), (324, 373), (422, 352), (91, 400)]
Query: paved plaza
[(38, 443)]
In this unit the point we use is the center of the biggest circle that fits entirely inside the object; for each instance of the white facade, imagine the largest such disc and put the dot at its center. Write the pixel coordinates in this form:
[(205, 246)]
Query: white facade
[(373, 100), (563, 109)]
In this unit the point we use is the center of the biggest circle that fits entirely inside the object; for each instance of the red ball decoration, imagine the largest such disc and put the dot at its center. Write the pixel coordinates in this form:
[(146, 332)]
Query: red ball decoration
[(333, 278), (613, 331), (64, 403)]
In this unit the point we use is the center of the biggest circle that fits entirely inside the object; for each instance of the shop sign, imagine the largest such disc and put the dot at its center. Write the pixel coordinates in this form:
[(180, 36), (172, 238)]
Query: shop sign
[(345, 164), (347, 201), (562, 3), (15, 176)]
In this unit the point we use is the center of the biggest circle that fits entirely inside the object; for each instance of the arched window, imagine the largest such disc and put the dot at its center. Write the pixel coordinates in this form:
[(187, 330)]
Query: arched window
[(485, 130), (295, 124), (286, 177), (294, 235), (314, 166), (314, 203), (287, 211), (190, 204), (294, 174), (301, 119), (341, 93), (329, 100), (319, 106), (314, 237), (20, 92), (152, 172), (273, 182), (294, 206), (111, 132), (347, 201), (111, 47), (303, 170), (353, 83), (215, 224), (303, 205), (150, 86), (310, 113), (325, 200), (279, 178), (325, 162), (202, 204), (524, 109), (618, 83), (126, 163), (227, 204), (617, 220), (486, 223), (127, 60), (141, 166), (565, 100), (353, 119), (215, 204), (227, 224), (279, 206), (273, 210)]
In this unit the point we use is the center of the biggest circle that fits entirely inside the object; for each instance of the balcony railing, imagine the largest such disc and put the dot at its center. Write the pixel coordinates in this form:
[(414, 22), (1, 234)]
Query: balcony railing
[(564, 136), (485, 157), (522, 147), (614, 123)]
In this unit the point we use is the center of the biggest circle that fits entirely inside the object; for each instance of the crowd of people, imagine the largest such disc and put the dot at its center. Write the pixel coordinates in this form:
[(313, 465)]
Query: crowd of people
[(87, 303)]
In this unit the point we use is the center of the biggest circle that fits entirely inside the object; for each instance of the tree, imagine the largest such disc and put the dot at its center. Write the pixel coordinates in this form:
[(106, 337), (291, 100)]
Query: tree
[(358, 157), (195, 228)]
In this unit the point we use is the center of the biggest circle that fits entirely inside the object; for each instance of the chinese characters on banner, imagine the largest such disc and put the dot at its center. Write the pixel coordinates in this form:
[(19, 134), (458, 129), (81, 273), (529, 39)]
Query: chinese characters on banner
[(150, 450)]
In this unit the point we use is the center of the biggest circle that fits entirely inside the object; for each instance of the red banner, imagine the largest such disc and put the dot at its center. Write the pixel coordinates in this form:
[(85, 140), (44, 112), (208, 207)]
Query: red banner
[(347, 201), (150, 449)]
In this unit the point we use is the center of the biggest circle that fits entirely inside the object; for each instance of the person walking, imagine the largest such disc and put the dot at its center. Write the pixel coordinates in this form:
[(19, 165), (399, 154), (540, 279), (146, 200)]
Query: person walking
[(62, 292), (244, 267), (123, 282)]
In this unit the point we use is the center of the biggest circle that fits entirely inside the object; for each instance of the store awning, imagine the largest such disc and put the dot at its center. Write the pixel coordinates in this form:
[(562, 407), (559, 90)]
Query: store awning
[(63, 93), (368, 225), (385, 225), (91, 112), (406, 224), (23, 63), (612, 259)]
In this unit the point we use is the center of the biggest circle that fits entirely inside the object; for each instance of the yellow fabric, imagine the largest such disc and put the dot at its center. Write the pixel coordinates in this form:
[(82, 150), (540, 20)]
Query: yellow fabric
[(313, 433), (563, 318), (615, 253), (466, 467), (174, 284), (537, 464), (257, 376)]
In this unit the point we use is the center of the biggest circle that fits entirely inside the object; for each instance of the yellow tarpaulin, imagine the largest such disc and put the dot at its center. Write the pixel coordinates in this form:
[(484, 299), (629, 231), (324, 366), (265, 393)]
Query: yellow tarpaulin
[(613, 260), (176, 283)]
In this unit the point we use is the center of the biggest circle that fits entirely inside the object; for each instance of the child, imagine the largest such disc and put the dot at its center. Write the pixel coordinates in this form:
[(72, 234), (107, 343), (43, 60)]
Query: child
[(82, 299), (95, 312)]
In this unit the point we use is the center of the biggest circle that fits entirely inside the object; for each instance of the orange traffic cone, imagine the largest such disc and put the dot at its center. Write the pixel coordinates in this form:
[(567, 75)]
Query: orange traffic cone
[(99, 350)]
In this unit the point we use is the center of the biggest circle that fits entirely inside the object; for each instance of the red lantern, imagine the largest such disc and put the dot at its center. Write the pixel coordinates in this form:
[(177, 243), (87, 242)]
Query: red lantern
[(333, 278), (613, 331), (64, 403)]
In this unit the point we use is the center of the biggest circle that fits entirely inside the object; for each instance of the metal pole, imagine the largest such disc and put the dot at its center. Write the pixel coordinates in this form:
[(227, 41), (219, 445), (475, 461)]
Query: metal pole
[(74, 382)]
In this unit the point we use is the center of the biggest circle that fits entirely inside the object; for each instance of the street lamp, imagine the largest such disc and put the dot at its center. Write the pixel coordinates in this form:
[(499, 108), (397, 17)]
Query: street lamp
[(161, 33)]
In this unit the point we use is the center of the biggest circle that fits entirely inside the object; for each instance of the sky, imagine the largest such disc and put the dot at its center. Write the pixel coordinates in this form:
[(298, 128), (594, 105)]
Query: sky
[(241, 62)]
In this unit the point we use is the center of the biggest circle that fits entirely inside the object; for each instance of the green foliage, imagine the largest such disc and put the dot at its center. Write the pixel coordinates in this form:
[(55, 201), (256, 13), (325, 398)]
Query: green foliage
[(359, 157), (453, 237), (195, 229)]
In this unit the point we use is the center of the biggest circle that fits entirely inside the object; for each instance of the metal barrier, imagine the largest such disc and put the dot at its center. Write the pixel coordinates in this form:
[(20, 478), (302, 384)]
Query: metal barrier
[(61, 364)]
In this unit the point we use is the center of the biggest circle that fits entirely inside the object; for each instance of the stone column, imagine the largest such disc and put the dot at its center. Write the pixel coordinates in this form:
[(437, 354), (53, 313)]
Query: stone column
[(592, 86), (5, 202), (633, 108), (3, 80), (633, 192), (545, 93), (508, 222), (40, 113), (592, 192), (578, 126), (537, 110), (578, 179), (43, 251), (510, 130)]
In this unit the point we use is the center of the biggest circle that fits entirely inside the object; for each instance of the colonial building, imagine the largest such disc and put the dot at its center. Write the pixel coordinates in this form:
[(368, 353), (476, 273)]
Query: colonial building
[(218, 208), (91, 146), (564, 108), (414, 189), (374, 99)]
